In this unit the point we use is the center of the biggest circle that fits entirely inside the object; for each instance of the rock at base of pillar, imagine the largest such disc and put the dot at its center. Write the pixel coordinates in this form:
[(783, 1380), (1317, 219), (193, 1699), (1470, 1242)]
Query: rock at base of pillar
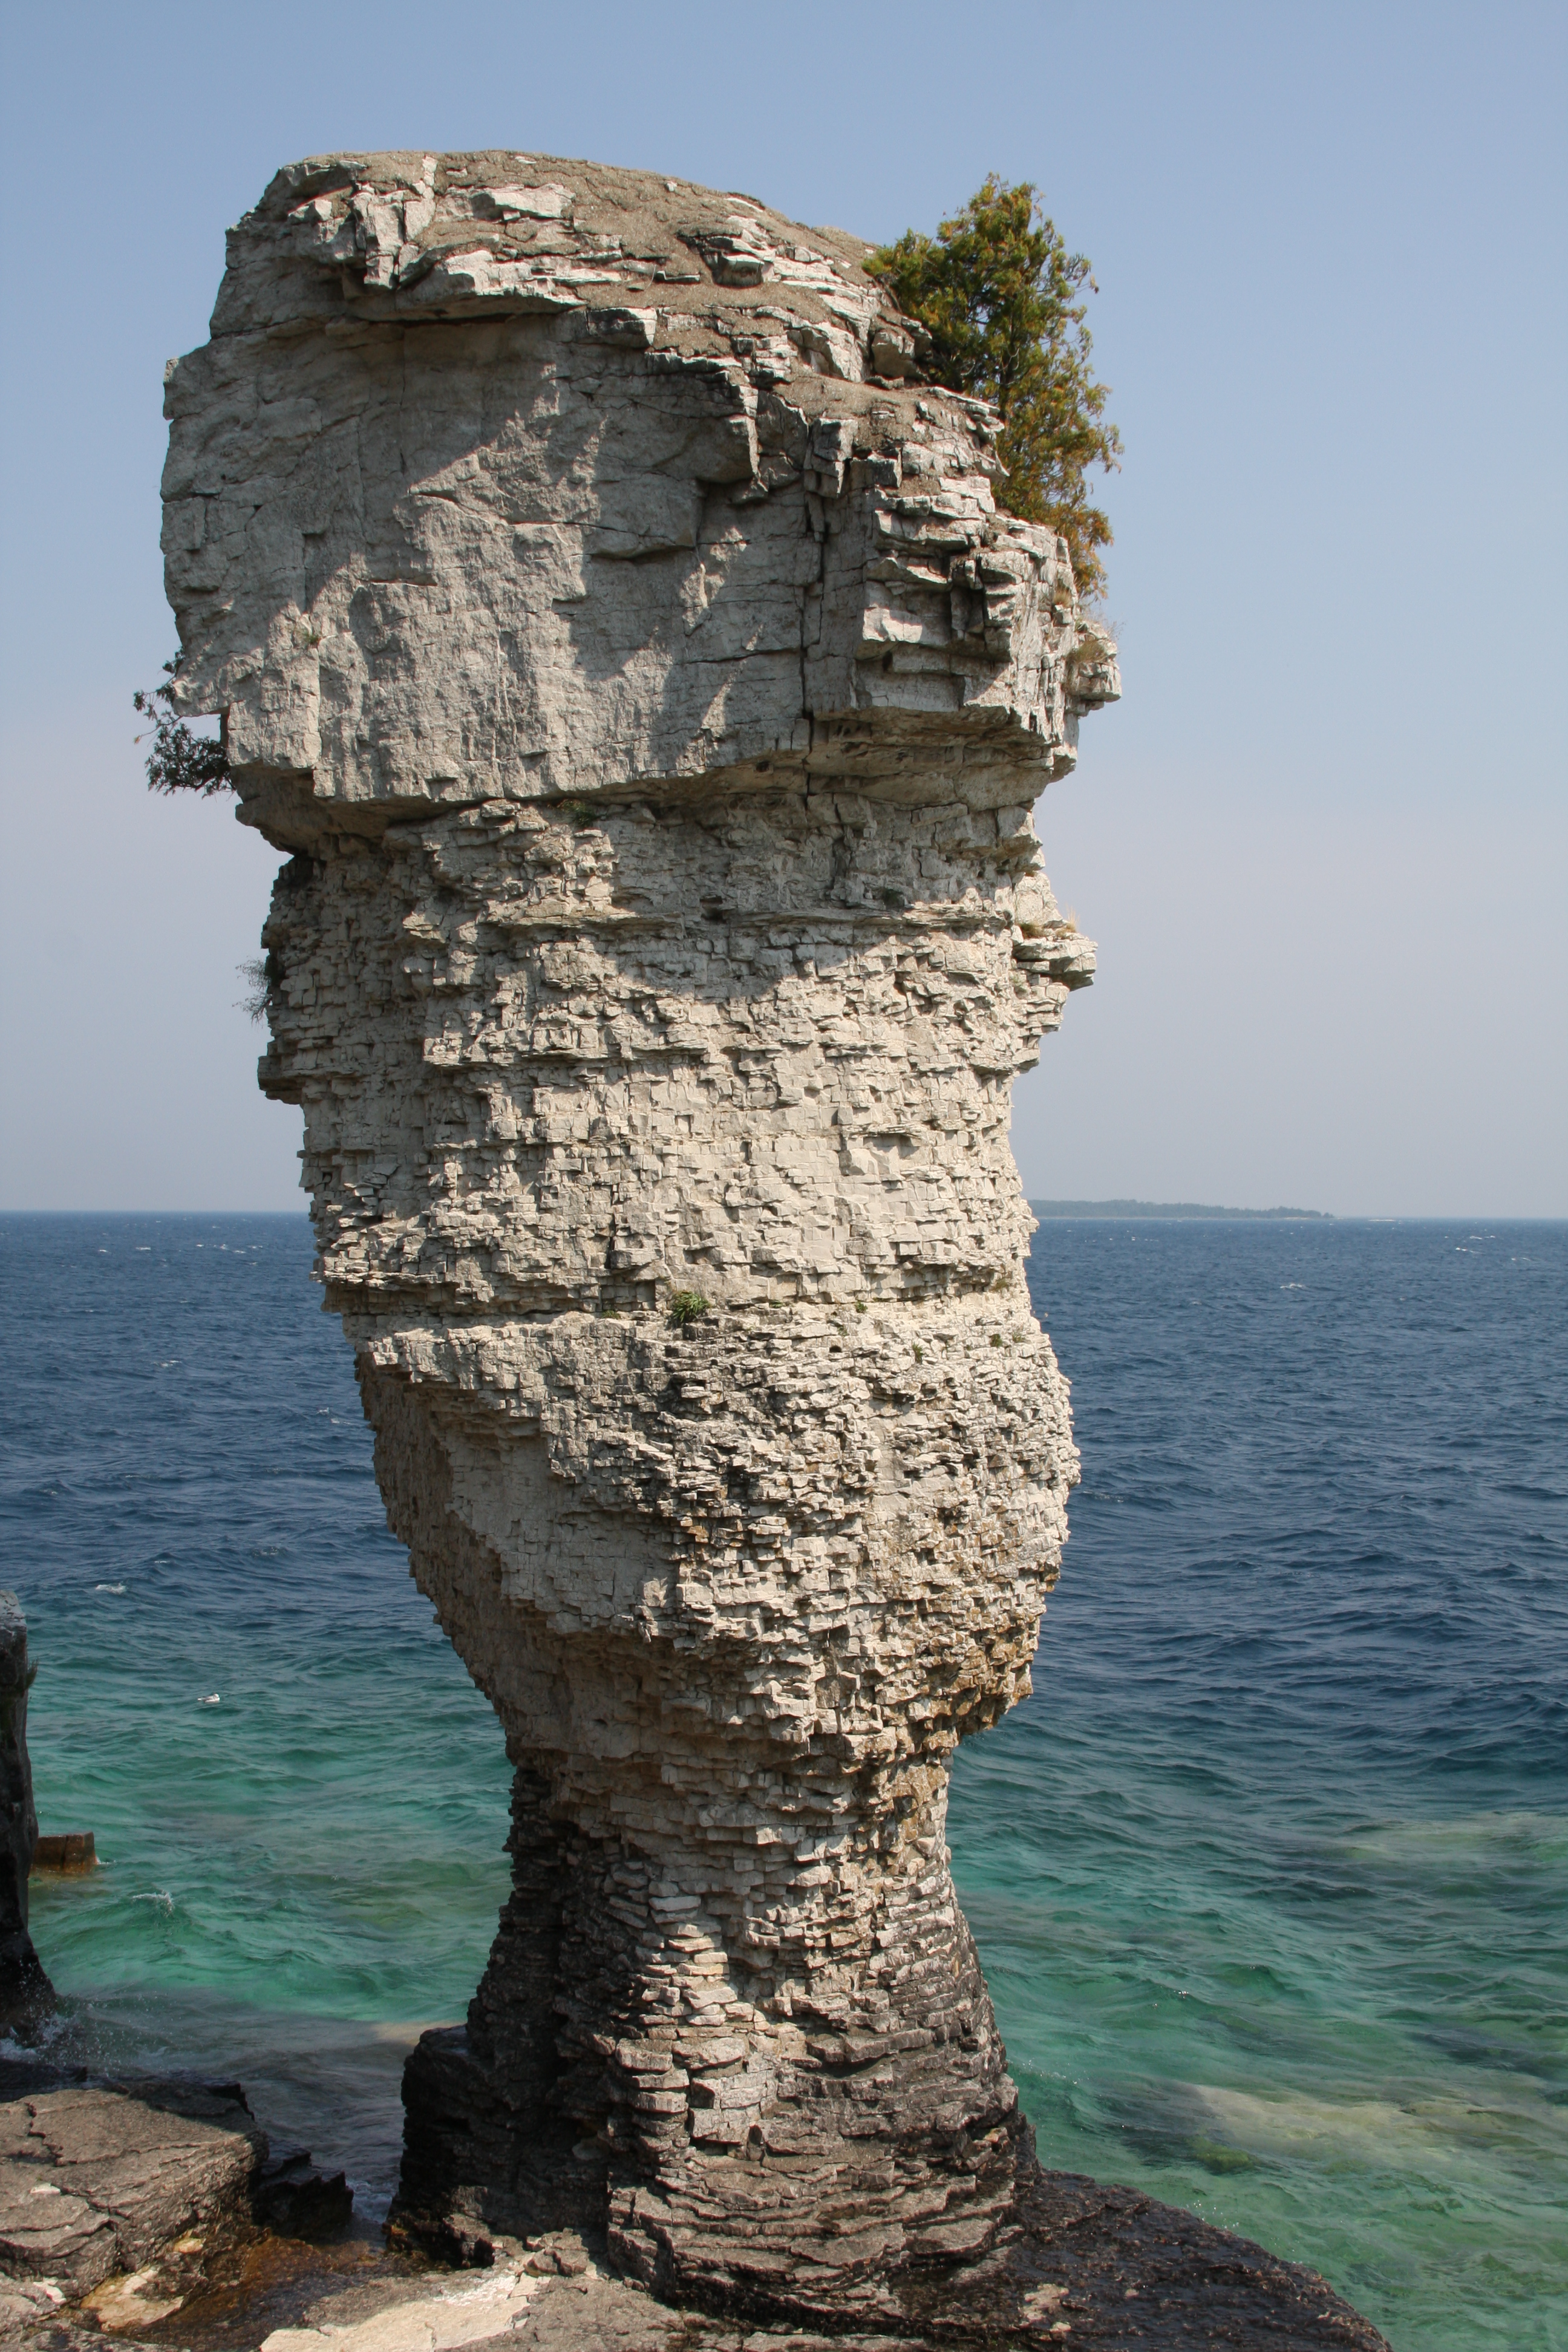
[(726, 2153), (1069, 2258), (487, 2146)]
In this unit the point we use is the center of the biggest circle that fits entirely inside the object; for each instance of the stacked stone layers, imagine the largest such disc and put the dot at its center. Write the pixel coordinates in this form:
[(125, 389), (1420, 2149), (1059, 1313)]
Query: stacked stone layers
[(654, 701)]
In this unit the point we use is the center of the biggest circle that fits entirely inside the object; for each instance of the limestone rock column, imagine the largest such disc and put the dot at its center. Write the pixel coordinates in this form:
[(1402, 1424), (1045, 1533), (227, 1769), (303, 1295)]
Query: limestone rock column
[(623, 642)]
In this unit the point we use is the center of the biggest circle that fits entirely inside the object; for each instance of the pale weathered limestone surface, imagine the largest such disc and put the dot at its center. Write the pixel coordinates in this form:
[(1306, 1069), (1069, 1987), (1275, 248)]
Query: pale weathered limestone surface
[(626, 644)]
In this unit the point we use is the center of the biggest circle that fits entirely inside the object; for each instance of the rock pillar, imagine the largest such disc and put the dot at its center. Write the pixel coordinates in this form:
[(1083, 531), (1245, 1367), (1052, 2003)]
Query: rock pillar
[(624, 642), (25, 1990)]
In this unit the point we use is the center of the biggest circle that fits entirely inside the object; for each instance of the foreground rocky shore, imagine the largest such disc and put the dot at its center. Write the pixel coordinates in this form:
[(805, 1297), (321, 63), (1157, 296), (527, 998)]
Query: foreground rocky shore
[(154, 2211)]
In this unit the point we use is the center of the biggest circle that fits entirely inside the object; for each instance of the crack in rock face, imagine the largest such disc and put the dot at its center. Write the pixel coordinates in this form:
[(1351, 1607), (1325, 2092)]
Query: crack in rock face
[(628, 647)]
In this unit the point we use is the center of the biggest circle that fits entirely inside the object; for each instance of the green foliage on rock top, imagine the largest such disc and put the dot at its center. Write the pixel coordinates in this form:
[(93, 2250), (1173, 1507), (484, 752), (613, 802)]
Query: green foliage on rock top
[(1000, 297)]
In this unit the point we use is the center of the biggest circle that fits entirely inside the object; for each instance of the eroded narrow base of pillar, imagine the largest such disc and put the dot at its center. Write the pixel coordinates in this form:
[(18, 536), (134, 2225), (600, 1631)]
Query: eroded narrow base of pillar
[(1072, 2258), (730, 2152)]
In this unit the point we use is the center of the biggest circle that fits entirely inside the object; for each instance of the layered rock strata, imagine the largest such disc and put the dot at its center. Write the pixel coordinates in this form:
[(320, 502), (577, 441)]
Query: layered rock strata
[(627, 646), (99, 2181)]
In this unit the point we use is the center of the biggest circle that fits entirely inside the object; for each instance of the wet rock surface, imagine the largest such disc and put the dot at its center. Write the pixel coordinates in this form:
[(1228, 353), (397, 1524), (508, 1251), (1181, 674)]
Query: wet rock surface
[(116, 2196), (295, 2197)]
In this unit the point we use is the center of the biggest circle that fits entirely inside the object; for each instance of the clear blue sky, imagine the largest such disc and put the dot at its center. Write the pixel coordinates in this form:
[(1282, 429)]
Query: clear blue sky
[(1322, 843)]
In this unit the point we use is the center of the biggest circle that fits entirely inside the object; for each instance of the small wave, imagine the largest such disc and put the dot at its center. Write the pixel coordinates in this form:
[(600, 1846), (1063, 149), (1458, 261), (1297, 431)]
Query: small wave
[(45, 2031), (160, 1896), (109, 1587)]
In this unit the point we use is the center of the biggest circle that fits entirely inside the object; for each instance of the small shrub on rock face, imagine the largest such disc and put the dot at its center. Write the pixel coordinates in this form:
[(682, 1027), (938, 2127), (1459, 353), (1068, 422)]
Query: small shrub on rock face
[(688, 1307), (180, 761), (256, 978)]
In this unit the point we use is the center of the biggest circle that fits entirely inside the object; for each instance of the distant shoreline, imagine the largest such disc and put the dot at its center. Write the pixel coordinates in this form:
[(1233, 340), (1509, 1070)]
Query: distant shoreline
[(1188, 1209)]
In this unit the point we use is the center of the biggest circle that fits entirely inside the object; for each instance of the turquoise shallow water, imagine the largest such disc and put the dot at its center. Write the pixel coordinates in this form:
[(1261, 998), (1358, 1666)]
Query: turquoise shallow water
[(1270, 1875)]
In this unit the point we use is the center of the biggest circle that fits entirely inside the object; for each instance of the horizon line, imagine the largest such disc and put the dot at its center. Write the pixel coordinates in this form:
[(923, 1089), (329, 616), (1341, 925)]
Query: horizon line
[(1110, 1211)]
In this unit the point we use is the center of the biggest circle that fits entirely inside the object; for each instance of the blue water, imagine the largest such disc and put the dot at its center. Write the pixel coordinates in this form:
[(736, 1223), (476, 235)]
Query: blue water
[(302, 1876), (1270, 1875)]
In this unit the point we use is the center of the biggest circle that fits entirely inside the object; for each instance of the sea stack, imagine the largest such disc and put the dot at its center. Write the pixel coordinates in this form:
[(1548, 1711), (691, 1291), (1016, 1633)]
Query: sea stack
[(624, 640), (26, 1992)]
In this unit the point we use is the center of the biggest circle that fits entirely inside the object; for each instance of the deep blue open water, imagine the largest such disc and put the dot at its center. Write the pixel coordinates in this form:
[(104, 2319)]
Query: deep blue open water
[(1270, 1875)]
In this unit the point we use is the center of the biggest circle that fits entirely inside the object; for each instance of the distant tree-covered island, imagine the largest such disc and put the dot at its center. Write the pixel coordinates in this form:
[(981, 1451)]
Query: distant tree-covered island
[(1168, 1208)]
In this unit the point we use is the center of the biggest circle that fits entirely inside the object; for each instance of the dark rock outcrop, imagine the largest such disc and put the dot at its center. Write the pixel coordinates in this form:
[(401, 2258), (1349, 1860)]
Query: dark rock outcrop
[(25, 1990)]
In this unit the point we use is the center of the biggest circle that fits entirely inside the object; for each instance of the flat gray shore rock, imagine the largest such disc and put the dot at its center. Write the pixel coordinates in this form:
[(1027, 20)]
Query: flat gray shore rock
[(95, 2183)]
